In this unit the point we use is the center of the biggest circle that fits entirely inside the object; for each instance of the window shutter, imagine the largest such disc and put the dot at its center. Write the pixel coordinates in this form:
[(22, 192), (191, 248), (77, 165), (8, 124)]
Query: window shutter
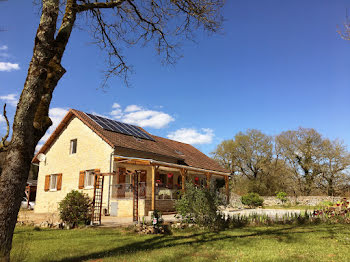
[(59, 181), (143, 176), (122, 172), (81, 179), (157, 176), (47, 183), (170, 180)]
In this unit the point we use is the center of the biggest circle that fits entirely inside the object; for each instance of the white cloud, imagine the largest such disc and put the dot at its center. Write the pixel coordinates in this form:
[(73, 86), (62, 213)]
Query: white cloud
[(3, 48), (137, 115), (10, 99), (148, 118), (115, 105), (193, 136), (2, 119), (116, 113), (132, 108), (8, 67), (56, 114)]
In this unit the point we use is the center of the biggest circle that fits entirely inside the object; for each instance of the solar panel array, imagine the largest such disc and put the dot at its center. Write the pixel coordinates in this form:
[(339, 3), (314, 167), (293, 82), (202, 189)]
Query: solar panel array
[(119, 127)]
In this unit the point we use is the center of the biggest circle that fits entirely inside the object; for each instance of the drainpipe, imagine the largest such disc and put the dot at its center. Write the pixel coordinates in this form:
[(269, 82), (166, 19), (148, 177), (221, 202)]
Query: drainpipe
[(111, 164)]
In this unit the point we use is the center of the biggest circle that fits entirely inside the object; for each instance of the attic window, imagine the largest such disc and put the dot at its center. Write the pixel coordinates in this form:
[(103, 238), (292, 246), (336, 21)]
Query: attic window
[(73, 146), (179, 152)]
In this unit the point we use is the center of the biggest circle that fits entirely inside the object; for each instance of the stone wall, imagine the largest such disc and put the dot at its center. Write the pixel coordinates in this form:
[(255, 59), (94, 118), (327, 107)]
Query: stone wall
[(235, 200), (300, 200)]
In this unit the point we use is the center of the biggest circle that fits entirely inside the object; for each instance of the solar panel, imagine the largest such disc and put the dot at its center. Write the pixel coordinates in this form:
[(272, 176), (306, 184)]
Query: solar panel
[(119, 127)]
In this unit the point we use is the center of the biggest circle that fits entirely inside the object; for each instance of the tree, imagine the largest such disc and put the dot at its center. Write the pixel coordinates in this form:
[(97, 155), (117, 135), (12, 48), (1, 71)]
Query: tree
[(335, 160), (302, 150), (114, 22), (249, 154)]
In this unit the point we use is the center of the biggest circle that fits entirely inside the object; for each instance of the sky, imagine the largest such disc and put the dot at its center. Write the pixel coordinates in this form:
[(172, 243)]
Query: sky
[(276, 66)]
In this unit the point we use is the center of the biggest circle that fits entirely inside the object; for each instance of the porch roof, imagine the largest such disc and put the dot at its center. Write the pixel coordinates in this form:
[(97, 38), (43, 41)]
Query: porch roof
[(152, 162)]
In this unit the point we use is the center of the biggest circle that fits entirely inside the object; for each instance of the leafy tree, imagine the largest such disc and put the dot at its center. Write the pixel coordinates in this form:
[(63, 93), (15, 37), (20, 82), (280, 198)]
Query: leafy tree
[(200, 206), (251, 155), (75, 209), (335, 160), (114, 24), (302, 150)]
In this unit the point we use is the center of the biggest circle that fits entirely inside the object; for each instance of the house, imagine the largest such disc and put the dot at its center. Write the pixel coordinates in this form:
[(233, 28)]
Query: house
[(114, 162)]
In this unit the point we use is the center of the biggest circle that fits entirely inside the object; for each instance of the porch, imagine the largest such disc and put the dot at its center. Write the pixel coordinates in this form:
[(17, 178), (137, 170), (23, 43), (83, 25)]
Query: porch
[(142, 185)]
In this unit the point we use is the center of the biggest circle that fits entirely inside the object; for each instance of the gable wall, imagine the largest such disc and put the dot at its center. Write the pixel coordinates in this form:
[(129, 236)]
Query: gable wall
[(92, 153)]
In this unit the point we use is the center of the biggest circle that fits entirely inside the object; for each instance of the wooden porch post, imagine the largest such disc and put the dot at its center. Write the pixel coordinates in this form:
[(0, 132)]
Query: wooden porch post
[(208, 180), (153, 188), (183, 177), (227, 187)]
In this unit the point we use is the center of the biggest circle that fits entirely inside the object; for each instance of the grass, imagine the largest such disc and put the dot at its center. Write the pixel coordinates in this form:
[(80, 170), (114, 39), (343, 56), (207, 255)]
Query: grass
[(275, 243)]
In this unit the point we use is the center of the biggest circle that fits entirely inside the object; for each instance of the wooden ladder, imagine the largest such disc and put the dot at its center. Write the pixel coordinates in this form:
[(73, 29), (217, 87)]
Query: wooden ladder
[(135, 197), (97, 200)]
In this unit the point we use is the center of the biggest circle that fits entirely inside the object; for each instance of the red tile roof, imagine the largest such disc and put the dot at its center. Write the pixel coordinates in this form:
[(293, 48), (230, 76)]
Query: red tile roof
[(185, 153)]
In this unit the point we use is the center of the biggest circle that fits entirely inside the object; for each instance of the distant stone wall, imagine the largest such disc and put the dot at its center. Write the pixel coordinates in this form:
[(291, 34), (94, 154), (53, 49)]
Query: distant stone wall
[(235, 200), (300, 200)]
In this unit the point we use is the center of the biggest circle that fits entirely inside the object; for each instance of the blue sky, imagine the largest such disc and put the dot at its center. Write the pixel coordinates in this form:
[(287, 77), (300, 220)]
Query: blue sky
[(277, 65)]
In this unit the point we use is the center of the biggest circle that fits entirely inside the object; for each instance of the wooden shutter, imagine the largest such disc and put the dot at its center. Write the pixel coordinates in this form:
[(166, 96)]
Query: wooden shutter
[(143, 176), (47, 183), (59, 181), (170, 180), (121, 182), (142, 184), (122, 175), (157, 176), (81, 179), (97, 172)]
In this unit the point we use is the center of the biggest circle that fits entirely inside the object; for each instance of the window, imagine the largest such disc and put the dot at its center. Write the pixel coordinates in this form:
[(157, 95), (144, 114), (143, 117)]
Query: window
[(89, 179), (73, 146), (53, 182)]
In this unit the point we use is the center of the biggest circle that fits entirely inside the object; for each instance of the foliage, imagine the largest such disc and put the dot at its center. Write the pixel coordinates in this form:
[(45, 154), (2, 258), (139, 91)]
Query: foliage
[(282, 196), (298, 162), (75, 209), (338, 213), (252, 200), (200, 206)]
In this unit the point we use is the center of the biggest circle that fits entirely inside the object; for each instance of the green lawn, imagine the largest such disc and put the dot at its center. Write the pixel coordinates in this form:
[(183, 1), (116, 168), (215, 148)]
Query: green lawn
[(277, 243)]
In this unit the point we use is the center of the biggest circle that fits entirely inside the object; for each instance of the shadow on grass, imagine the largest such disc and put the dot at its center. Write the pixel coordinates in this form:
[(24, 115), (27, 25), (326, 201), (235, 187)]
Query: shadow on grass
[(195, 239)]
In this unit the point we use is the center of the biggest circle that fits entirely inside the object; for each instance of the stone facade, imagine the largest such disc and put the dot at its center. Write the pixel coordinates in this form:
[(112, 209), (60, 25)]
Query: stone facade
[(92, 153)]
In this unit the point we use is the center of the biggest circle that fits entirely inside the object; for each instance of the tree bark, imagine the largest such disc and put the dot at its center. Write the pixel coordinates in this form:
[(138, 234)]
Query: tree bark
[(26, 133)]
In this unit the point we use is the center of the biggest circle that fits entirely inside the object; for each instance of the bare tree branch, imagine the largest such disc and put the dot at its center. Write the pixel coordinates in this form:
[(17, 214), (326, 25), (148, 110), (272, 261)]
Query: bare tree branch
[(3, 140), (98, 5)]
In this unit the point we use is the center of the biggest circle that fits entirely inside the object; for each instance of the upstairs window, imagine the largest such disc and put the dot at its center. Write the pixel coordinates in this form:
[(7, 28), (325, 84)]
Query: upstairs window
[(73, 146)]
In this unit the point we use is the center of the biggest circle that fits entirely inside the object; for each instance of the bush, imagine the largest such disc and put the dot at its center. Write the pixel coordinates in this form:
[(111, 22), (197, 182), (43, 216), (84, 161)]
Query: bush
[(200, 206), (252, 200), (282, 196), (75, 209)]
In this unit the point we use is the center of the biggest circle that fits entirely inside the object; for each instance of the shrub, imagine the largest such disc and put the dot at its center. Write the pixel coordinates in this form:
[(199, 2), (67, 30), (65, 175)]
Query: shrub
[(75, 209), (200, 206), (252, 200), (282, 196)]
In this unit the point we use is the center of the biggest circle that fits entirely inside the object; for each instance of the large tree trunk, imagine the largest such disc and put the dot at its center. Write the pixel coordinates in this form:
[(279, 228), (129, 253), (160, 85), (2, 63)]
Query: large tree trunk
[(26, 133)]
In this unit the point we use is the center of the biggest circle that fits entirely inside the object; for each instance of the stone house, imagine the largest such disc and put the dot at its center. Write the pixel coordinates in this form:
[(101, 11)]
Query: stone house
[(114, 162)]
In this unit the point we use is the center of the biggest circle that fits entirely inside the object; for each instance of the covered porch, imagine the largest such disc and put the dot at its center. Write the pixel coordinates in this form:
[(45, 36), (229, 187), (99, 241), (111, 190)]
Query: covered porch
[(143, 185)]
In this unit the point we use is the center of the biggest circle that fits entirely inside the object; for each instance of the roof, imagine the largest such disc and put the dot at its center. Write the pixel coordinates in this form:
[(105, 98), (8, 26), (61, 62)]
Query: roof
[(183, 153)]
